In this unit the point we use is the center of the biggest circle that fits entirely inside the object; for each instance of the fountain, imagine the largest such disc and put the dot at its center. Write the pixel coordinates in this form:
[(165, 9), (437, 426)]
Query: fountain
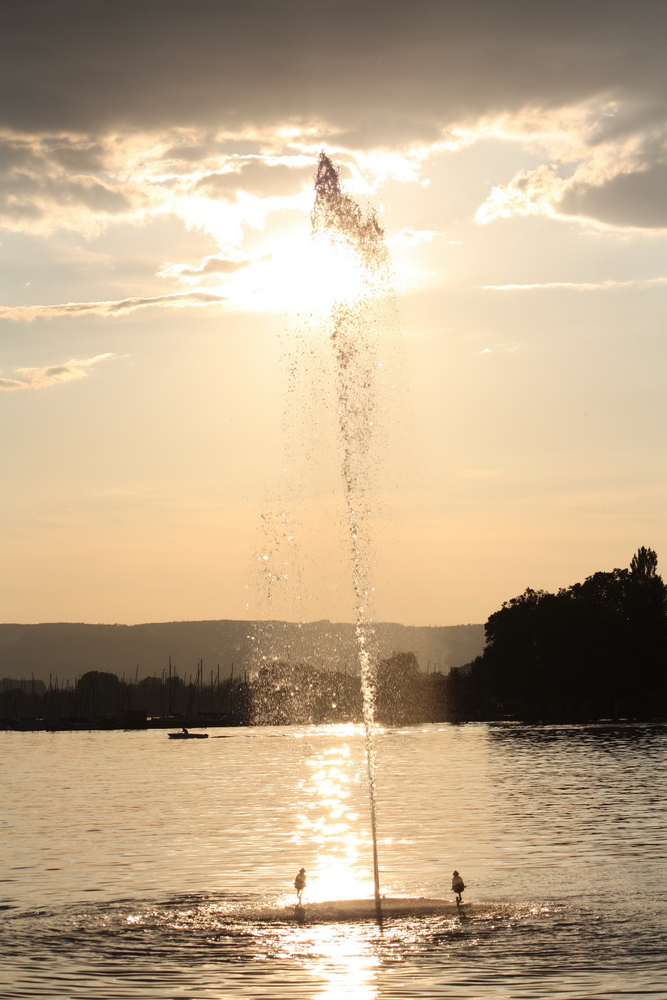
[(339, 219), (350, 331)]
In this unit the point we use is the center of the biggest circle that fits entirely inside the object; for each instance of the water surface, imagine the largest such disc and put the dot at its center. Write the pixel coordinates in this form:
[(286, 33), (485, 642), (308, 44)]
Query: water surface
[(135, 866)]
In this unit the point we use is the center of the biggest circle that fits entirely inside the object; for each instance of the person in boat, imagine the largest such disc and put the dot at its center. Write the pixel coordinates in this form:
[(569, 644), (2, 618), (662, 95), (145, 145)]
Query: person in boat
[(185, 732), (300, 884), (457, 885)]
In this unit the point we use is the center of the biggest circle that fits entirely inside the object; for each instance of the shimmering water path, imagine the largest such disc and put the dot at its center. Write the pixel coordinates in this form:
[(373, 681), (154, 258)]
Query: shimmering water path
[(134, 866)]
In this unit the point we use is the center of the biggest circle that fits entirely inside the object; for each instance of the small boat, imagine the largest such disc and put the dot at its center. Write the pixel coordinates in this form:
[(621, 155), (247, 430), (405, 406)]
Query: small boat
[(188, 736)]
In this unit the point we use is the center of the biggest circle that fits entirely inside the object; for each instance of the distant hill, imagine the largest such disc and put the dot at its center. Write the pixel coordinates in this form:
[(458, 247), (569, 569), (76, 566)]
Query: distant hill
[(70, 649)]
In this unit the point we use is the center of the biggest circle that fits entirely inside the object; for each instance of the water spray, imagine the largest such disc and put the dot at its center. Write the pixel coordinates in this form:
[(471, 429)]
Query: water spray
[(338, 218)]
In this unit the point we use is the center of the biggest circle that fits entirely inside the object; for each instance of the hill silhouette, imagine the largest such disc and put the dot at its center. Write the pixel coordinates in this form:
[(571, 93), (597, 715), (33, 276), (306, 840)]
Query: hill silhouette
[(68, 650)]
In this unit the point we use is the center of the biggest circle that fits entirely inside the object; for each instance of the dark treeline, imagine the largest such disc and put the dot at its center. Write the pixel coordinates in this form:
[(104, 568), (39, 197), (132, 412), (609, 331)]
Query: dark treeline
[(100, 696), (595, 650), (278, 694)]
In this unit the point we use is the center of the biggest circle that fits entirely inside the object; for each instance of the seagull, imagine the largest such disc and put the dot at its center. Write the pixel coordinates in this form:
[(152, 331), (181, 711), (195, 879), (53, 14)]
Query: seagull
[(457, 885), (300, 883)]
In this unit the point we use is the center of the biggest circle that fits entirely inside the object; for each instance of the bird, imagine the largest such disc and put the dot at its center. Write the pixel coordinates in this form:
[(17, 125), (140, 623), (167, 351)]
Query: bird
[(457, 885), (300, 883)]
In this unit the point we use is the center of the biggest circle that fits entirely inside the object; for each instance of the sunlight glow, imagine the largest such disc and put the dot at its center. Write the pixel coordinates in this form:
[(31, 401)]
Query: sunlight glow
[(344, 961), (346, 964), (297, 273), (326, 818)]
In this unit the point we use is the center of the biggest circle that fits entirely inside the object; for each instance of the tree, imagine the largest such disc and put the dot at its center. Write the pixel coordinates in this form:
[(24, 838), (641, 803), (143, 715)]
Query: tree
[(644, 565), (597, 648), (99, 693), (398, 690)]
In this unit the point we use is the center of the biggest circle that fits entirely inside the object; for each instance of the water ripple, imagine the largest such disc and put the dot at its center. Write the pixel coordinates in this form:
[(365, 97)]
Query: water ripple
[(170, 879)]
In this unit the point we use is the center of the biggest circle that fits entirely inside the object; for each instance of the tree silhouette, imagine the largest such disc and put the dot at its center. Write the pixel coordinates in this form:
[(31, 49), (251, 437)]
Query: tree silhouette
[(595, 649), (400, 690), (644, 565)]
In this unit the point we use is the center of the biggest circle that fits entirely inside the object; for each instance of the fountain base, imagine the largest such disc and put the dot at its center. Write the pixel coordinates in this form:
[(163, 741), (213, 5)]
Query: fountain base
[(364, 909)]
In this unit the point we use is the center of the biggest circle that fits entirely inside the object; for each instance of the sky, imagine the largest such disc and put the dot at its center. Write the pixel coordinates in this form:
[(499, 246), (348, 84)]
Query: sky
[(158, 283)]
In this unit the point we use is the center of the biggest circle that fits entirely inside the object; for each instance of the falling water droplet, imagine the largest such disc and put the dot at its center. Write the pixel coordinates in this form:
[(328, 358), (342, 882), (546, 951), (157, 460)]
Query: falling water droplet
[(339, 218)]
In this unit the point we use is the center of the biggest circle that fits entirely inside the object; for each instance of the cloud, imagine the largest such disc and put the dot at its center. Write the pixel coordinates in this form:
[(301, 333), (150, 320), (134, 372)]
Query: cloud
[(614, 196), (15, 153), (197, 98), (530, 192), (209, 265), (26, 314), (509, 348), (580, 286), (91, 67), (41, 378), (48, 181), (78, 156), (608, 165), (637, 199), (412, 237), (64, 181), (257, 177)]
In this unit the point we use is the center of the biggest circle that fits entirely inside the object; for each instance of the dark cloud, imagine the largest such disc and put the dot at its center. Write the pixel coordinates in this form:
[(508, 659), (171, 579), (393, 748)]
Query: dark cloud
[(89, 65), (79, 158), (15, 154), (38, 175), (378, 73), (189, 154), (644, 119), (637, 199), (25, 195), (256, 177), (94, 195), (198, 153)]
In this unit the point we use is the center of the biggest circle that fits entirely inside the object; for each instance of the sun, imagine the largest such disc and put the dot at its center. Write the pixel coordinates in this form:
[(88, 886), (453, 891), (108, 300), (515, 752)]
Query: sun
[(297, 272)]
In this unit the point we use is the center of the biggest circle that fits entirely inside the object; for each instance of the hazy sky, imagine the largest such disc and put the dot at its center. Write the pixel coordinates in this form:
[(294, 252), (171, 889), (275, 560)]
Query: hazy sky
[(156, 164)]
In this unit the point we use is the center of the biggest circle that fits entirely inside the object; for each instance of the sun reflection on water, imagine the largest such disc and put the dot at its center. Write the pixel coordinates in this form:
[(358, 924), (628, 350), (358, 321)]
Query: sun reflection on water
[(341, 961), (328, 816), (345, 963)]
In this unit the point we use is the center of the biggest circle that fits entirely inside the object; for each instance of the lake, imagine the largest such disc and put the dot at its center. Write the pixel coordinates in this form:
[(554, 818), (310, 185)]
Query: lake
[(138, 866)]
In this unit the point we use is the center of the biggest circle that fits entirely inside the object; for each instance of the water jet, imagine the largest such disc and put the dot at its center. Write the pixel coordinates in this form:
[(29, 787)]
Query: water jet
[(338, 218)]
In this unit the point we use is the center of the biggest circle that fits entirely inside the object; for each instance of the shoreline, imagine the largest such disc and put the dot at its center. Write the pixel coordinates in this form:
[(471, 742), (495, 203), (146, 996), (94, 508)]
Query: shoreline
[(68, 725)]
